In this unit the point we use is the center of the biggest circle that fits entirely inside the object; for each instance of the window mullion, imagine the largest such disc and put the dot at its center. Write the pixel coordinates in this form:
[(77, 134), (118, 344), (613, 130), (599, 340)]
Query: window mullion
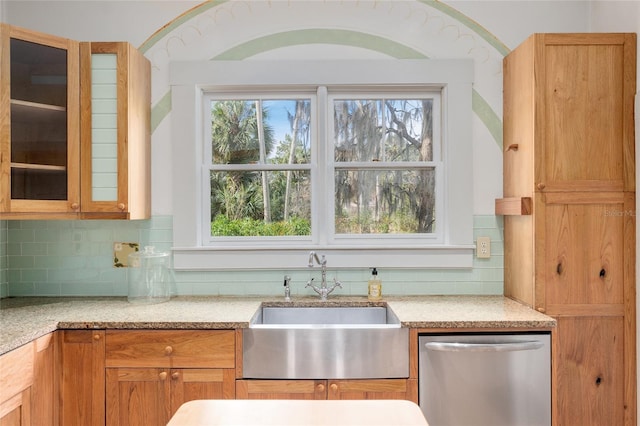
[(322, 182)]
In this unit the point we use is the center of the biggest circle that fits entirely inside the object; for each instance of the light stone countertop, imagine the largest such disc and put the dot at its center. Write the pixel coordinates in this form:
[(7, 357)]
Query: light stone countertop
[(27, 318)]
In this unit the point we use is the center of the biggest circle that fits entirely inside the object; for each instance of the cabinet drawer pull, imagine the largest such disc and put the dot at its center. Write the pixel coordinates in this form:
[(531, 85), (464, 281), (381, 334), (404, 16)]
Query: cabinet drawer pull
[(96, 337), (334, 387), (168, 350), (163, 375), (320, 387)]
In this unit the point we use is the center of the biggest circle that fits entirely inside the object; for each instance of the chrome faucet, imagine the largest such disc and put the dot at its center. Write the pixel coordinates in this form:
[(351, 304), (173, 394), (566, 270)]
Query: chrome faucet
[(323, 290)]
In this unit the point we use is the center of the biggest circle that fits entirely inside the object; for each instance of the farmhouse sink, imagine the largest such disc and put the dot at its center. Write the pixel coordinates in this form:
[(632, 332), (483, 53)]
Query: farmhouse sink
[(325, 342), (324, 317)]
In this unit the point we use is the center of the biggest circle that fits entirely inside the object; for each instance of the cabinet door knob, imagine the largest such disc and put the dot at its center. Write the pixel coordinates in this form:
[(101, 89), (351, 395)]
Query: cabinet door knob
[(162, 375), (75, 206), (175, 375), (121, 206), (541, 186), (333, 387), (603, 273), (168, 350), (559, 269), (320, 387), (96, 337)]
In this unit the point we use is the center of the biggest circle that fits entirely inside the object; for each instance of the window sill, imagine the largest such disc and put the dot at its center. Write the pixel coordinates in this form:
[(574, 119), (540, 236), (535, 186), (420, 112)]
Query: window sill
[(213, 259)]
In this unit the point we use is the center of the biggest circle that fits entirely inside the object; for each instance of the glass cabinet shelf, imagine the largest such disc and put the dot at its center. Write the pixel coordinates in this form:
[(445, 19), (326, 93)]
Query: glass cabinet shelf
[(26, 111)]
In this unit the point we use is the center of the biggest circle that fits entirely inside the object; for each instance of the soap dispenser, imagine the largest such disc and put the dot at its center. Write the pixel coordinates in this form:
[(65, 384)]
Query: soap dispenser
[(375, 286)]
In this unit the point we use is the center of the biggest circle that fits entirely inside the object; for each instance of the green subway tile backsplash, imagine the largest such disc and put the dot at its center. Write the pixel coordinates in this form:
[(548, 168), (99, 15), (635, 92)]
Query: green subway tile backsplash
[(75, 258)]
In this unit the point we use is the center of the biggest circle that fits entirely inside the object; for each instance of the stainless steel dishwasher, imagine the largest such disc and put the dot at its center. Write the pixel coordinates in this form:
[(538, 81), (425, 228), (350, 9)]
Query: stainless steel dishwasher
[(485, 379)]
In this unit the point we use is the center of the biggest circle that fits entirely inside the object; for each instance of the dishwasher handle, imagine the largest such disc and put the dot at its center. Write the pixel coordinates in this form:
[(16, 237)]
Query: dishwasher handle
[(484, 347)]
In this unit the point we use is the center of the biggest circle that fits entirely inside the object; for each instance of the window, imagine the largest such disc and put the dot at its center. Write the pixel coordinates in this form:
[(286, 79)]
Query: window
[(360, 164), (258, 166), (385, 158)]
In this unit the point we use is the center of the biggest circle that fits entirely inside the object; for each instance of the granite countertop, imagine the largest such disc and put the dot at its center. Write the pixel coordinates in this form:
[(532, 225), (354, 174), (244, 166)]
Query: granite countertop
[(25, 319)]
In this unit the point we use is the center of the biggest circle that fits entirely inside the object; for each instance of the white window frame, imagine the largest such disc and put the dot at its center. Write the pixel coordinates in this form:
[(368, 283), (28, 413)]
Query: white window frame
[(327, 183), (240, 242), (191, 80)]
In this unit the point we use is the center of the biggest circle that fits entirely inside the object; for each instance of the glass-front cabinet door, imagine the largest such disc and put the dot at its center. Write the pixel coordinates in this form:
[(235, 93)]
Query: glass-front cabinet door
[(39, 133)]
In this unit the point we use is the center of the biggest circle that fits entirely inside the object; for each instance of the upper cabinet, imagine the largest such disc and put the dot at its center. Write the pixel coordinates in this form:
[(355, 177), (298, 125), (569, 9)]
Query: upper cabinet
[(74, 128), (115, 131), (39, 124), (569, 124)]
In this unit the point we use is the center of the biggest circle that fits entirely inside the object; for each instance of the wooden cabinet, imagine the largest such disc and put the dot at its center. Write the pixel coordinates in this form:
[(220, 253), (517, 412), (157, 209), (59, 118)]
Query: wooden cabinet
[(151, 373), (115, 131), (323, 389), (16, 378), (39, 124), (28, 384), (74, 128), (44, 391), (82, 377), (569, 155)]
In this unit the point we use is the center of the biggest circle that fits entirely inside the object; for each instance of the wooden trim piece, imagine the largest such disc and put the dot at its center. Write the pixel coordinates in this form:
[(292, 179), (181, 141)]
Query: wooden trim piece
[(628, 107), (584, 198), (419, 331), (413, 353), (238, 353), (5, 120), (518, 206), (586, 310), (630, 315)]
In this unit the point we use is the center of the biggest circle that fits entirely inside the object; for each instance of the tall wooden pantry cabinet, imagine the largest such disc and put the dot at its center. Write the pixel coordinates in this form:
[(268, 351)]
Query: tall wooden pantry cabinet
[(569, 206)]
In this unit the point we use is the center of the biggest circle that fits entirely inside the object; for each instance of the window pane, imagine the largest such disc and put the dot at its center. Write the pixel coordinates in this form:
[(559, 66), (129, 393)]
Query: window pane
[(260, 131), (385, 201), (238, 207), (383, 130)]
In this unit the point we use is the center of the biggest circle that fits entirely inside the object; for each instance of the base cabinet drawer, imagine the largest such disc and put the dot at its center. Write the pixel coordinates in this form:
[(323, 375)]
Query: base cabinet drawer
[(171, 348)]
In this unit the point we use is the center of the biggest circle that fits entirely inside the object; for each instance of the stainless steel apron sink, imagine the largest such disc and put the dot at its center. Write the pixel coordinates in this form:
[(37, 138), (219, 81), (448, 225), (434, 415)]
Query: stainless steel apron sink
[(325, 342)]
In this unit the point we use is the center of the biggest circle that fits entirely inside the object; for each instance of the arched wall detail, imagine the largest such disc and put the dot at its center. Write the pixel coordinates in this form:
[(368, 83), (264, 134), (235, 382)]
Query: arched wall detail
[(195, 35)]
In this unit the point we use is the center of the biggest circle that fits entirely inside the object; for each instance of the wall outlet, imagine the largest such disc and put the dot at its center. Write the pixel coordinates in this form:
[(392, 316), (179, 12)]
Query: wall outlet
[(483, 247)]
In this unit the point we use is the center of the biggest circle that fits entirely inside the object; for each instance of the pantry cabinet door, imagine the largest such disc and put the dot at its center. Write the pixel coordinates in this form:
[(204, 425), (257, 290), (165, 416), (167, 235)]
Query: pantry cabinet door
[(588, 366), (584, 261), (584, 112)]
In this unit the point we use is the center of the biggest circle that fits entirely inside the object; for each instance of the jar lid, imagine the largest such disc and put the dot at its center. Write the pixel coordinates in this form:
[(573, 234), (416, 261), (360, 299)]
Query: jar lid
[(148, 252)]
